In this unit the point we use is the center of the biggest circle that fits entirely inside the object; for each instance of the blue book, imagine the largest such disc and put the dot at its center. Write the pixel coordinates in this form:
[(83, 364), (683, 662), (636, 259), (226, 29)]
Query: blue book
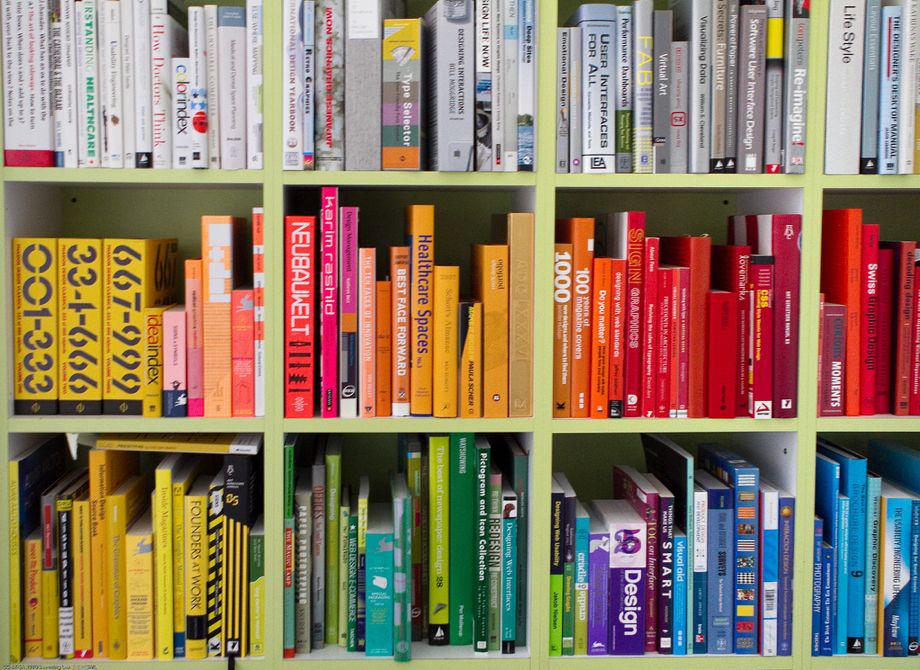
[(700, 581), (769, 568), (828, 567), (913, 630), (896, 514), (827, 489), (509, 574), (744, 479), (873, 548), (786, 600), (680, 593), (890, 89), (842, 579), (817, 584), (853, 486), (379, 585), (719, 563)]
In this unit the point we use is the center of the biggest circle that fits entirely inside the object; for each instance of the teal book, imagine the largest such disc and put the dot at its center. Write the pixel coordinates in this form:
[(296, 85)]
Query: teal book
[(481, 575), (495, 560), (557, 500), (512, 460), (509, 562), (352, 631), (380, 577), (287, 600), (462, 531), (402, 611), (582, 538)]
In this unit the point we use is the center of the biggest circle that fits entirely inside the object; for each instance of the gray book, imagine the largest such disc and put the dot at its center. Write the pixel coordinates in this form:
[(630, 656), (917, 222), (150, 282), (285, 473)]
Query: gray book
[(868, 158), (624, 90), (563, 64), (318, 612), (329, 126), (303, 562), (773, 104), (731, 88), (719, 131), (643, 81), (575, 102), (661, 124), (450, 37), (796, 85), (751, 68), (680, 93), (693, 22)]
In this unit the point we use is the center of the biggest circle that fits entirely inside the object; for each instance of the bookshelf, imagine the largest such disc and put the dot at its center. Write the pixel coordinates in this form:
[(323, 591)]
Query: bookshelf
[(101, 201)]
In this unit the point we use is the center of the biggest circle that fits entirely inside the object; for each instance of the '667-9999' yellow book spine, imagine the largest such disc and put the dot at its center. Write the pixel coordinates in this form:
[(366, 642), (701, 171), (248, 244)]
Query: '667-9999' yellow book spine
[(80, 326), (137, 274), (35, 325), (421, 307), (490, 286), (446, 314)]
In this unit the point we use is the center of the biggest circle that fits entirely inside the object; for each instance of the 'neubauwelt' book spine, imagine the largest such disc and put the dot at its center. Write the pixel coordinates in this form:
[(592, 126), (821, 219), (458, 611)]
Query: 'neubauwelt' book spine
[(300, 319), (329, 310)]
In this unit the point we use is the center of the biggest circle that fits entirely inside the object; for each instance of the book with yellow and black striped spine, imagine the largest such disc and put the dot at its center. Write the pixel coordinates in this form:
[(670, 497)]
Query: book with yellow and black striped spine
[(215, 636)]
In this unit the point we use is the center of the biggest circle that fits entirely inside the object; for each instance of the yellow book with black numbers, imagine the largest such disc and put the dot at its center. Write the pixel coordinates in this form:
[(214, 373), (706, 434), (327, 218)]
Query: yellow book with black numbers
[(82, 580), (470, 365), (137, 274), (420, 220), (152, 361), (122, 507), (182, 482), (445, 339), (35, 325), (490, 286), (165, 473), (195, 548), (32, 592), (139, 554), (50, 613), (80, 325)]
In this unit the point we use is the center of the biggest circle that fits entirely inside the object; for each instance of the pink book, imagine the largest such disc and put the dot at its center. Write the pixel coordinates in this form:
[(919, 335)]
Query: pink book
[(683, 345), (650, 327), (242, 352), (194, 351), (367, 331), (348, 312), (175, 395), (329, 307), (666, 278)]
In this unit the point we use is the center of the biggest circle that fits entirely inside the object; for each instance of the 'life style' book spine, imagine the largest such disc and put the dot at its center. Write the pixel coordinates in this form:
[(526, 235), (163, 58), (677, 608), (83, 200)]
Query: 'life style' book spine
[(253, 87), (752, 88), (329, 291), (643, 81), (891, 89), (292, 76), (329, 132), (844, 87), (796, 86), (348, 312), (868, 155)]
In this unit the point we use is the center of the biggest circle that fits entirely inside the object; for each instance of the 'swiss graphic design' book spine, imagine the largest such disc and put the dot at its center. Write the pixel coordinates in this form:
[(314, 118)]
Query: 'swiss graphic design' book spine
[(328, 301), (795, 94)]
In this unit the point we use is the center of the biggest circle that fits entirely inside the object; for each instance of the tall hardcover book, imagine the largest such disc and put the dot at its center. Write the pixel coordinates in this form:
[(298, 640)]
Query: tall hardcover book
[(844, 89), (719, 550), (663, 66), (292, 111), (903, 315), (348, 312), (420, 220), (490, 287), (462, 487), (400, 330), (79, 283), (445, 340), (470, 359), (241, 492), (328, 301), (402, 114), (363, 54), (693, 23), (231, 41), (198, 93), (579, 232), (195, 550), (760, 403), (598, 641), (167, 41), (300, 315), (140, 588)]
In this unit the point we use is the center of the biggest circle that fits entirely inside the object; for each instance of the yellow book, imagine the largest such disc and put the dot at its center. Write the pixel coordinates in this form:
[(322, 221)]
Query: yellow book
[(82, 579), (166, 471), (107, 470), (80, 326), (446, 315), (187, 443), (182, 482), (153, 361), (470, 359), (137, 274), (490, 286), (257, 589), (50, 613), (421, 307), (122, 507), (35, 326), (195, 548), (139, 554), (32, 593)]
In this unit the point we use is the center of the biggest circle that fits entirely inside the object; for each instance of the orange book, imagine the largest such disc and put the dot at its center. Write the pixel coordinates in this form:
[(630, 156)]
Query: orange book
[(399, 332), (616, 336), (384, 348), (580, 234), (470, 363), (490, 286), (562, 330), (242, 352), (445, 340), (367, 332), (220, 240), (600, 341), (421, 303)]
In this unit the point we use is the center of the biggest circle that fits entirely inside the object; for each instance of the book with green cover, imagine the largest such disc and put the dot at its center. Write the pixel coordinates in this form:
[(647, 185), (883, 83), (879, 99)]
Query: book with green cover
[(380, 580), (557, 499), (495, 559), (438, 542), (290, 474), (568, 565), (344, 513), (582, 536), (513, 461), (509, 561), (303, 563), (425, 504), (402, 615), (481, 575), (462, 530), (411, 464), (333, 499), (352, 630)]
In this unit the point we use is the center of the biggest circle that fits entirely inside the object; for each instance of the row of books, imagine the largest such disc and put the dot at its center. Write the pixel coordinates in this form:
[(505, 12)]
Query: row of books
[(406, 344), (97, 331), (866, 551), (707, 86), (453, 91), (103, 566), (132, 83), (679, 561), (443, 558), (873, 93), (676, 326), (869, 350)]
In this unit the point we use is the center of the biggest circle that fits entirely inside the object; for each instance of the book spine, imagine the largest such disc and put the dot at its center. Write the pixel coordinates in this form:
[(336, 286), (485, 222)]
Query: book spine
[(719, 74), (367, 332), (402, 105), (333, 498), (722, 343), (628, 589), (868, 155), (303, 571), (384, 348), (844, 89), (140, 588), (329, 291), (352, 572), (509, 575), (752, 89), (616, 323), (161, 38), (198, 91), (556, 578), (212, 56), (445, 340), (218, 240), (128, 120), (582, 539), (180, 121), (380, 599), (796, 86), (786, 560), (253, 88), (342, 586), (194, 326), (485, 66), (288, 555), (498, 86), (348, 312), (462, 488), (680, 276), (700, 33), (64, 80), (598, 594), (216, 534), (869, 307), (509, 58), (481, 574), (665, 595), (769, 564), (520, 232), (439, 543), (88, 89), (575, 101), (841, 575), (904, 316), (719, 626), (909, 31), (421, 264), (292, 158), (65, 599), (597, 66), (79, 270), (773, 95), (196, 569), (643, 81), (400, 274), (762, 282), (363, 91), (891, 90), (175, 395), (678, 106), (914, 384), (563, 98), (681, 619), (873, 548), (623, 106), (258, 312), (143, 100), (153, 350), (913, 630), (827, 570), (894, 610), (635, 266), (31, 641), (662, 63), (649, 326), (329, 132), (495, 560), (470, 363), (242, 328), (307, 72), (527, 83), (786, 232), (300, 322), (418, 538), (35, 320), (162, 509), (663, 346), (568, 575), (256, 586), (238, 512), (700, 559), (600, 343), (833, 378), (231, 40), (817, 579), (490, 286), (562, 330), (122, 318)]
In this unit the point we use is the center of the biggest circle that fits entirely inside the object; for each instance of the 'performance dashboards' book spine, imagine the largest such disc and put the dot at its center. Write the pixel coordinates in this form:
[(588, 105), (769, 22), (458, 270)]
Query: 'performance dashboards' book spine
[(79, 283), (300, 315), (329, 113), (348, 312), (844, 87), (328, 301), (292, 110)]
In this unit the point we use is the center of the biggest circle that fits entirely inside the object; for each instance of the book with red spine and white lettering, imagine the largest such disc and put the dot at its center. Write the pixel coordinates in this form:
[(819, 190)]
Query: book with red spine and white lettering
[(329, 301)]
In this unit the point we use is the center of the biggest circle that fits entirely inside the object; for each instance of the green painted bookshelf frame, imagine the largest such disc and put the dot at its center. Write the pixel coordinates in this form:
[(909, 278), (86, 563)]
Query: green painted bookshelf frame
[(541, 189)]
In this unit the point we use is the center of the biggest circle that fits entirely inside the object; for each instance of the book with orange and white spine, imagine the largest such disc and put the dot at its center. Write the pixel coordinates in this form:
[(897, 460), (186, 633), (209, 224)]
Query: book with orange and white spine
[(445, 339), (258, 296), (175, 393), (616, 336), (384, 353), (420, 220), (194, 344), (242, 330), (367, 332), (348, 312), (562, 330), (400, 275), (470, 359), (600, 341)]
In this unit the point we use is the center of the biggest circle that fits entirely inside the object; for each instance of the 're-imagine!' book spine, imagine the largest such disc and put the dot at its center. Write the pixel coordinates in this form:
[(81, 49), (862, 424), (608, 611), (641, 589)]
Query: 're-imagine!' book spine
[(796, 87), (329, 131), (485, 66), (292, 76), (253, 88)]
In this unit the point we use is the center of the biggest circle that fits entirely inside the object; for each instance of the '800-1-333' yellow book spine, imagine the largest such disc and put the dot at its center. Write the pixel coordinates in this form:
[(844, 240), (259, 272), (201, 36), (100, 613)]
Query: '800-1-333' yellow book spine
[(80, 326), (446, 315), (35, 325)]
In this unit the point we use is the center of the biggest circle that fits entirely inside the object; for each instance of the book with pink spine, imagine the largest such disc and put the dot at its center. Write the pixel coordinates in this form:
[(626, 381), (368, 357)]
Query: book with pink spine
[(367, 331), (329, 304), (194, 350), (242, 340), (175, 394)]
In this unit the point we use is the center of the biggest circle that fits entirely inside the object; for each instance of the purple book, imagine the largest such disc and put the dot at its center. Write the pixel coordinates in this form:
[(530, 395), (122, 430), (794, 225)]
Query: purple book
[(598, 587), (627, 576), (665, 566)]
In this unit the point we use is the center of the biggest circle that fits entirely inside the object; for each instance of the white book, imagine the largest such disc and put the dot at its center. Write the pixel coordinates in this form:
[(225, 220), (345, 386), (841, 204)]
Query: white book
[(910, 52), (510, 92), (498, 86), (254, 58), (64, 71), (293, 80), (527, 86), (485, 64), (127, 82), (113, 155), (231, 66), (198, 83), (575, 113), (213, 80), (308, 30), (844, 87), (89, 130), (643, 68), (693, 22), (143, 94), (680, 85), (623, 90), (167, 41), (563, 110), (180, 120)]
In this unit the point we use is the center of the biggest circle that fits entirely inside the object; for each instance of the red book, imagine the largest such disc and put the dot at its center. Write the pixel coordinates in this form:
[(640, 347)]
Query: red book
[(731, 272), (841, 256), (626, 239), (914, 398), (650, 327), (299, 315), (328, 253), (600, 342), (721, 355), (885, 329), (242, 352), (694, 253), (868, 319), (683, 345), (902, 323), (761, 337), (820, 349), (617, 340), (833, 365), (579, 232), (663, 382), (674, 345)]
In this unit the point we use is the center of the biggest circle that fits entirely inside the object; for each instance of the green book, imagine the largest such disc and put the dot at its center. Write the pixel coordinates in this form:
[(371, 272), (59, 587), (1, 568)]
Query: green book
[(438, 542), (462, 533), (290, 474), (582, 537), (495, 559), (568, 565), (352, 618), (557, 498), (344, 513), (333, 502), (481, 575), (512, 461), (402, 615), (412, 466), (509, 574)]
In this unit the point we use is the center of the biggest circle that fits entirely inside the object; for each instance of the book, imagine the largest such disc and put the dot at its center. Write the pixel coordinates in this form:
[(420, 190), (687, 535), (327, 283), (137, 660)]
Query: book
[(698, 591), (300, 320), (420, 222), (361, 578), (891, 92), (175, 394), (895, 515), (384, 348), (399, 315), (401, 134), (332, 502), (308, 74), (231, 42), (168, 40), (598, 590), (760, 398), (194, 608), (643, 82), (293, 25), (486, 37), (580, 234), (494, 533), (303, 562), (170, 469), (363, 54), (180, 125), (123, 506), (662, 64), (82, 577), (30, 643), (665, 628), (239, 512), (139, 582), (215, 585), (445, 340), (439, 541), (798, 26), (562, 330), (63, 508), (258, 293), (490, 287), (556, 568), (720, 612), (328, 301), (348, 312), (367, 331), (213, 84), (680, 593), (329, 132), (464, 466), (693, 23), (509, 575), (845, 85), (624, 102), (833, 363), (152, 390), (198, 89), (253, 91), (721, 354), (617, 314), (288, 613), (582, 543), (380, 573), (753, 24), (402, 573), (194, 325), (256, 588), (600, 345)]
